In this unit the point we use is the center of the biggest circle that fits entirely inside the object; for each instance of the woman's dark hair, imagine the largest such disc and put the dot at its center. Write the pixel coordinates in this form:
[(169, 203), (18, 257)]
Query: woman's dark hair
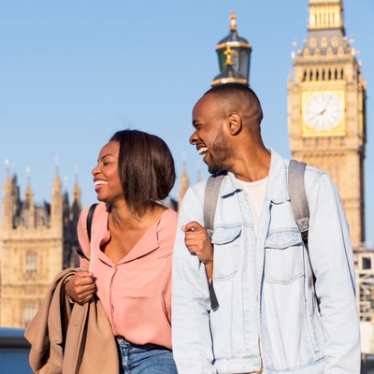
[(145, 166)]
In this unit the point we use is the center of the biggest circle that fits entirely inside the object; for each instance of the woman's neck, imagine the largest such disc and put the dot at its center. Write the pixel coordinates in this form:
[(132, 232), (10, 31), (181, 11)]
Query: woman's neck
[(122, 216)]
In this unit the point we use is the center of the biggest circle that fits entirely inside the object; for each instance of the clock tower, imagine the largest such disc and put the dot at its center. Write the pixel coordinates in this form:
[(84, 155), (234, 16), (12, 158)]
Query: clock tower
[(326, 108)]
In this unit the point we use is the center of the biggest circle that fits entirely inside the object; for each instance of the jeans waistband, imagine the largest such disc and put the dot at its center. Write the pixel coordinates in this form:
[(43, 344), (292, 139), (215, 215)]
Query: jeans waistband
[(123, 341)]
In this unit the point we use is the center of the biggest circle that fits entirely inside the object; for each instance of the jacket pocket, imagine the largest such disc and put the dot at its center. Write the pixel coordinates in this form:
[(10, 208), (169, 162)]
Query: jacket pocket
[(283, 256), (226, 251)]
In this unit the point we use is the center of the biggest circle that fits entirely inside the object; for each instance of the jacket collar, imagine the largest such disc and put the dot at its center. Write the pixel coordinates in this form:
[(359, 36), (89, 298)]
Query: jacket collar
[(276, 192)]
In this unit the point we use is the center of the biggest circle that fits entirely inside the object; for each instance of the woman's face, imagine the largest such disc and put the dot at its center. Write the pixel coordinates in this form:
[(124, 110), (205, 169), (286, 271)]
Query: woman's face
[(106, 179)]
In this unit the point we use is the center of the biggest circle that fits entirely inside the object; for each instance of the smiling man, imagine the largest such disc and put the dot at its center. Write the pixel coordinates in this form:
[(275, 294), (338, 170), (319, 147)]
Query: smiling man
[(285, 305)]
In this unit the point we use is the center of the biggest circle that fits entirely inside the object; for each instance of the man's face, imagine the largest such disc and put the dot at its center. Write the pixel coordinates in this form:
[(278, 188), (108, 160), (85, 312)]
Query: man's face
[(209, 137)]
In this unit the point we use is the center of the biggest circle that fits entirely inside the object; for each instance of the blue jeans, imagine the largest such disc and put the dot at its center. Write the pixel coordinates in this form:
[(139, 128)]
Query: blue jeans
[(145, 359)]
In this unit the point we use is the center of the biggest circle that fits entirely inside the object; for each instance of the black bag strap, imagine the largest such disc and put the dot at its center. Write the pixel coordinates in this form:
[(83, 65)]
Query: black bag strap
[(89, 220), (210, 204), (90, 215), (299, 202)]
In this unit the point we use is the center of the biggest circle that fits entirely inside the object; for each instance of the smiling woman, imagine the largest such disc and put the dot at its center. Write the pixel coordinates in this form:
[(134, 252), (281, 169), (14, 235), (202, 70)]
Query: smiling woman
[(130, 255)]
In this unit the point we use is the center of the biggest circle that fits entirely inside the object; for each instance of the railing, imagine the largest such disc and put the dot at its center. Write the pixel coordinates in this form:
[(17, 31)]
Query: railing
[(14, 351)]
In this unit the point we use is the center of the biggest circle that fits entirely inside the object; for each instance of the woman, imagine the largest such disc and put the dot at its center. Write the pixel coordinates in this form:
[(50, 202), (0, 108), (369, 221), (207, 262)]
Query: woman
[(131, 248)]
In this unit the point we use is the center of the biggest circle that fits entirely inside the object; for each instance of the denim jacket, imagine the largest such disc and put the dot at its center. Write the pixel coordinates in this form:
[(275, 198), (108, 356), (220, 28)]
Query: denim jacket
[(282, 307)]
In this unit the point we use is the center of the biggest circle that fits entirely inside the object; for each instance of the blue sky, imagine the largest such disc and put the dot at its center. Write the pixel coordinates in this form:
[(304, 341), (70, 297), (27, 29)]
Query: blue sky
[(73, 72)]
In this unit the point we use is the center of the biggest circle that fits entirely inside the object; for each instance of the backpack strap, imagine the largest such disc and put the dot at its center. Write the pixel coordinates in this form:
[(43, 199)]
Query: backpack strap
[(89, 220), (212, 188), (299, 202), (210, 204)]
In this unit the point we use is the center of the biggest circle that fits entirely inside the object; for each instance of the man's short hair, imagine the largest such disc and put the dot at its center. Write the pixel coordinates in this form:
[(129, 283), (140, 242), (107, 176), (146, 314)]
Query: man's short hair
[(239, 97)]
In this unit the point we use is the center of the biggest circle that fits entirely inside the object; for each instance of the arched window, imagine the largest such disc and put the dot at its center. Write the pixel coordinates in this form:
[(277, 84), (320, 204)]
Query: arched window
[(28, 313), (323, 74), (31, 262)]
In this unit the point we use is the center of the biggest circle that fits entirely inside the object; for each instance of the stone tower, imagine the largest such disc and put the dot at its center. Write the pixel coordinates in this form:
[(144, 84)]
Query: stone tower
[(36, 242), (326, 108), (184, 183)]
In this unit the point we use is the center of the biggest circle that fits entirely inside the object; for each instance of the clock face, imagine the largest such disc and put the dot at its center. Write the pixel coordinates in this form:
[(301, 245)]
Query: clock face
[(323, 111)]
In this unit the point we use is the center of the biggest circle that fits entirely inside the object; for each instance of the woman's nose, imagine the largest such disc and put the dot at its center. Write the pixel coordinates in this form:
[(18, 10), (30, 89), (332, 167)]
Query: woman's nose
[(95, 170)]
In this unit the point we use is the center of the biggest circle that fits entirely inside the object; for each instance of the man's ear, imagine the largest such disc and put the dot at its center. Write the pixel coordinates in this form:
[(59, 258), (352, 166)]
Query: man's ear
[(234, 123)]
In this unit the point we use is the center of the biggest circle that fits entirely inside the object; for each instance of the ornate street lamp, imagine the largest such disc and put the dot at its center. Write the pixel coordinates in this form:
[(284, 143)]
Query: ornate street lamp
[(234, 54)]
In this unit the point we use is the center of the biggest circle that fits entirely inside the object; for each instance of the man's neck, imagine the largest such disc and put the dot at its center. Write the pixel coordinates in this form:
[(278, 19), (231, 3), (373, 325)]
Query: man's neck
[(251, 164)]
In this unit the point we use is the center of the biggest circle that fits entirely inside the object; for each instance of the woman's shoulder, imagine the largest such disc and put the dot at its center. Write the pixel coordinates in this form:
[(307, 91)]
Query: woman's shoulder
[(99, 210), (167, 226), (169, 216)]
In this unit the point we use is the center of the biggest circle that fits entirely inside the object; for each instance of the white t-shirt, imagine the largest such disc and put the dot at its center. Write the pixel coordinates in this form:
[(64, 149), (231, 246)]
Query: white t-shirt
[(255, 192)]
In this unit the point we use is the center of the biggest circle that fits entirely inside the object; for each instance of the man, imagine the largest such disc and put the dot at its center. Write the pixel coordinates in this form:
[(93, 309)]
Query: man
[(283, 307)]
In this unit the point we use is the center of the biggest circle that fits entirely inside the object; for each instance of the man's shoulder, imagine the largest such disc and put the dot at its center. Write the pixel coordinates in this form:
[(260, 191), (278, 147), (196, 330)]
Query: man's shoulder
[(196, 191), (312, 174), (316, 181)]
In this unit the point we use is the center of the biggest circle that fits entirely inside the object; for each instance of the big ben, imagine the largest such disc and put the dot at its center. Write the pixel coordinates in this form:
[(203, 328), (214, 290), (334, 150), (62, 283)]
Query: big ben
[(326, 108)]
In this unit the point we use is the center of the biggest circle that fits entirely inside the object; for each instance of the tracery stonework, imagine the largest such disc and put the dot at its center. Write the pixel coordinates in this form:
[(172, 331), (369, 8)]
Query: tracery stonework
[(36, 242)]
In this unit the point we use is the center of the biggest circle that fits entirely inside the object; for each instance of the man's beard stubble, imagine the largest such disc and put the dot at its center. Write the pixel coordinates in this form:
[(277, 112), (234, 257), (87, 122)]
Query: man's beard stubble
[(221, 152)]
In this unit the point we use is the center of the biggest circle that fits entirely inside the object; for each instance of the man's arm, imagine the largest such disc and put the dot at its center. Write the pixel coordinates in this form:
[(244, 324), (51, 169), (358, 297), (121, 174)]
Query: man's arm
[(192, 344), (332, 261)]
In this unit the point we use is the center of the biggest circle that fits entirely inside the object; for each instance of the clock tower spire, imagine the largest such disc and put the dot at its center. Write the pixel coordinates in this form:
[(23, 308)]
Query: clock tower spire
[(326, 15), (326, 108)]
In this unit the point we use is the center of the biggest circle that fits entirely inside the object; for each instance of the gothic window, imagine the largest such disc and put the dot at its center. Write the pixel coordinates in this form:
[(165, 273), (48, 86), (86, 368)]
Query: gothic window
[(341, 74), (323, 74), (31, 262), (366, 263), (317, 75), (28, 313)]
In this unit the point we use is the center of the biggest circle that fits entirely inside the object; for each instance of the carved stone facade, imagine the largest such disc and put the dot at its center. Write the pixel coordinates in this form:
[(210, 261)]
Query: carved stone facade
[(326, 108), (327, 129), (36, 242)]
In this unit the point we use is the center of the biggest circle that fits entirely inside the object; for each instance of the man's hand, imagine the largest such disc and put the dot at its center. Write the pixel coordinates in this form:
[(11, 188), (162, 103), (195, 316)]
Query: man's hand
[(81, 287), (197, 241)]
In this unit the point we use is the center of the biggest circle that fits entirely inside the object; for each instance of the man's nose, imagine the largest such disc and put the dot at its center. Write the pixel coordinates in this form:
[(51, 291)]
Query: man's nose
[(193, 138)]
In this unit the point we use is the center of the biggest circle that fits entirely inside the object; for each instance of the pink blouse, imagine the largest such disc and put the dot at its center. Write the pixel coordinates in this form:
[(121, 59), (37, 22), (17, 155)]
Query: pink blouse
[(136, 291)]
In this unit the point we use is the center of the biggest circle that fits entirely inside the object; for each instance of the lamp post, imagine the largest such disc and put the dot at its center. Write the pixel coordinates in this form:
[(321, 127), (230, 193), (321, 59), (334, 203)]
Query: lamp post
[(234, 54)]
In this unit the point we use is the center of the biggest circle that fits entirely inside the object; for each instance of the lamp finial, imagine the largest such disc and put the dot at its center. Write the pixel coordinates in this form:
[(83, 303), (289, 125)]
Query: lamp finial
[(233, 21)]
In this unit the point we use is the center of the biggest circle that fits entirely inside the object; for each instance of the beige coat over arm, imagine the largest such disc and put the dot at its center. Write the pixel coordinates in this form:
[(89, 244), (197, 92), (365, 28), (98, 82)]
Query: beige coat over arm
[(70, 338)]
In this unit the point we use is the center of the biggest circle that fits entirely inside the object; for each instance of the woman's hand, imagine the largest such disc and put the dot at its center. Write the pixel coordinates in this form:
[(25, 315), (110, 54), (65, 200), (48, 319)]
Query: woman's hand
[(81, 287), (198, 243)]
